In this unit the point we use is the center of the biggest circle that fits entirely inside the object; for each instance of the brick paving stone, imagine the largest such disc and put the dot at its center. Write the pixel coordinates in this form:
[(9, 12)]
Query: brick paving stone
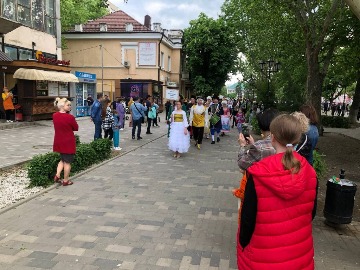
[(144, 210)]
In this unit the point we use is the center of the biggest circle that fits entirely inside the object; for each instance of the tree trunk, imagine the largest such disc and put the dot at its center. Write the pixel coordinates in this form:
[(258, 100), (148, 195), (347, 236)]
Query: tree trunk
[(314, 81), (354, 109)]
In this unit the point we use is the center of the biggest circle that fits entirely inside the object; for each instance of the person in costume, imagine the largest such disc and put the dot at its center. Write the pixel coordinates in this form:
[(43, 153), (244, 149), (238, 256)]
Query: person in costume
[(215, 111), (198, 121), (207, 127), (225, 118), (179, 139), (275, 230)]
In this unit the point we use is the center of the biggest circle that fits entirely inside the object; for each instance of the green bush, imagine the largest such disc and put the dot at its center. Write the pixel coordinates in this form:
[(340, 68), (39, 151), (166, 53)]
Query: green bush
[(255, 126), (319, 165), (84, 158), (102, 148), (42, 168), (77, 139), (335, 121)]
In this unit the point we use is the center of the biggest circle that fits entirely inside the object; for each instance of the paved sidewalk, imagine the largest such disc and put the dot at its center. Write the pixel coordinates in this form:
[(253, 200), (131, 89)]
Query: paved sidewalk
[(142, 210)]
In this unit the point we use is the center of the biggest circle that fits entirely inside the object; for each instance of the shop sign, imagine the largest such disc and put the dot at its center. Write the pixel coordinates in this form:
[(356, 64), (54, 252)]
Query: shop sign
[(172, 94), (85, 77), (46, 60)]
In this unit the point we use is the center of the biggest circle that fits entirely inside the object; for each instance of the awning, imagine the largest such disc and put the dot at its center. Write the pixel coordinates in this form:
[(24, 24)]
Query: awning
[(4, 57), (41, 75)]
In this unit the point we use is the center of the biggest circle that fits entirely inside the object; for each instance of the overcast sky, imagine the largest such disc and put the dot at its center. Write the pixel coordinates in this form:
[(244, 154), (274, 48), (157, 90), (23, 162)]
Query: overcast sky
[(172, 14)]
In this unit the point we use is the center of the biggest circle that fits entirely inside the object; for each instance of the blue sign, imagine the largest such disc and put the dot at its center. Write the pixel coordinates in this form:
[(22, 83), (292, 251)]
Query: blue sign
[(84, 75)]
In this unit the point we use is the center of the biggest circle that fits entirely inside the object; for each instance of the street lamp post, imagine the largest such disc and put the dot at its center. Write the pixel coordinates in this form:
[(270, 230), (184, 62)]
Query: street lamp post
[(268, 67)]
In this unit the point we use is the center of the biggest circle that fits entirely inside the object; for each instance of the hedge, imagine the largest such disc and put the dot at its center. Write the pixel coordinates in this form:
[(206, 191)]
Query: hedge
[(42, 168), (319, 165), (335, 121)]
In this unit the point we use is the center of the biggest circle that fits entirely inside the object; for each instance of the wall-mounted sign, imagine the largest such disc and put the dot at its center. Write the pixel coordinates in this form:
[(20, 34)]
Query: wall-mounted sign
[(172, 94), (42, 59), (172, 84), (85, 77), (147, 53)]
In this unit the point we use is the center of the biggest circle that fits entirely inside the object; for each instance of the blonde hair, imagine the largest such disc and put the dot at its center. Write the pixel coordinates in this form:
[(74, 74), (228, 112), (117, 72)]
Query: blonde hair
[(60, 102), (286, 129), (304, 121)]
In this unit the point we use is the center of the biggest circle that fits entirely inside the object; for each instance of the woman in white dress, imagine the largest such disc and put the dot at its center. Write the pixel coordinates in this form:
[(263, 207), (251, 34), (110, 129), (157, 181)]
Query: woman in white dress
[(179, 139)]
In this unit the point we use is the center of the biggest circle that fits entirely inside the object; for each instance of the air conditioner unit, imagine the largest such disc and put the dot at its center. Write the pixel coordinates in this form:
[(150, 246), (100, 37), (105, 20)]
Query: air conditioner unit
[(127, 64)]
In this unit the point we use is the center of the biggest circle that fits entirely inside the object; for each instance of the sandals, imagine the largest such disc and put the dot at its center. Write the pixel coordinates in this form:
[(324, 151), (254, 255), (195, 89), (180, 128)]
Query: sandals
[(57, 179), (67, 183)]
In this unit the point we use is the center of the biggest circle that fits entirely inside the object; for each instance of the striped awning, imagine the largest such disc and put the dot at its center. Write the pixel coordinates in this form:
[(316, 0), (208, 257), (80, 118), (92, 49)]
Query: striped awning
[(4, 57), (41, 75)]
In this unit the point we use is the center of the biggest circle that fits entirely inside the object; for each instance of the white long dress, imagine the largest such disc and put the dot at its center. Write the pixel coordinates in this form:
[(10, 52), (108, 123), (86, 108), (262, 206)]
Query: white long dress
[(178, 141)]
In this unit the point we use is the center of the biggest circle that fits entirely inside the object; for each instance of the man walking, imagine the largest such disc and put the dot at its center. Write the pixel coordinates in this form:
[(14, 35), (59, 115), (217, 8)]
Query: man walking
[(96, 110), (137, 113), (198, 120)]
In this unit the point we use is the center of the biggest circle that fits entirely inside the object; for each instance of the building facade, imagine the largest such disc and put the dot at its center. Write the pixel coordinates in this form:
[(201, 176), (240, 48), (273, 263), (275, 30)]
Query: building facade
[(129, 58), (30, 56)]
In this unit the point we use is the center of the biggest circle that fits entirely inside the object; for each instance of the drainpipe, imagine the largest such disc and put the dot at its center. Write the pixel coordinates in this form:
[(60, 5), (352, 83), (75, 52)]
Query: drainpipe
[(159, 66)]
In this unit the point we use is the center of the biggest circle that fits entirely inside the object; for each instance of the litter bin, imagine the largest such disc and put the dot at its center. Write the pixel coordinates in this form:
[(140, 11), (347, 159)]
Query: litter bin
[(339, 201)]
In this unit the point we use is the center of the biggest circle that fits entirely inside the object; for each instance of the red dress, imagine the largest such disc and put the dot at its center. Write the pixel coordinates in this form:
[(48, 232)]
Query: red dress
[(64, 139)]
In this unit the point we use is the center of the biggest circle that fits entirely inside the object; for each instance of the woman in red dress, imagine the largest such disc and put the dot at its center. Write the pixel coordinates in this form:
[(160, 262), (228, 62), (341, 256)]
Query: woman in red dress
[(64, 139)]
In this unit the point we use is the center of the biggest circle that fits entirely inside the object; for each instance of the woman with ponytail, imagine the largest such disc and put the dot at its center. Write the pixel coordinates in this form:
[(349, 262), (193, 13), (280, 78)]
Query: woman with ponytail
[(275, 230)]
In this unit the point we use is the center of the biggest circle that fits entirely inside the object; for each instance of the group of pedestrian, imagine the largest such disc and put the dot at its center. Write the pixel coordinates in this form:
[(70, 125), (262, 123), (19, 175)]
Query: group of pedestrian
[(278, 192)]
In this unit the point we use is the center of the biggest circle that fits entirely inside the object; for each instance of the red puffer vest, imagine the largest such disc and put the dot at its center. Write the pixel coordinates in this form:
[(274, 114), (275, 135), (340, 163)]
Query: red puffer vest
[(282, 238)]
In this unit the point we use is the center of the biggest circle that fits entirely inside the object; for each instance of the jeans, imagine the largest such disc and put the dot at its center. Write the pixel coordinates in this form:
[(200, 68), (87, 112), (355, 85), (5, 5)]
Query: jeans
[(116, 137), (97, 134), (148, 124), (136, 123)]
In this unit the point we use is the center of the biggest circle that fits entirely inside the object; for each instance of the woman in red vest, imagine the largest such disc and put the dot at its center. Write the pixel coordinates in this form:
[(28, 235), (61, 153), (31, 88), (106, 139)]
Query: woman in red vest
[(275, 230), (64, 139)]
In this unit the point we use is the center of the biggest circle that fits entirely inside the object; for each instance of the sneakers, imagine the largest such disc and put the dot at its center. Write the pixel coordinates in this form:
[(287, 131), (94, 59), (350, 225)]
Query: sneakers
[(213, 142), (133, 137), (218, 139), (9, 121), (199, 146), (117, 148), (121, 129), (139, 138), (148, 132)]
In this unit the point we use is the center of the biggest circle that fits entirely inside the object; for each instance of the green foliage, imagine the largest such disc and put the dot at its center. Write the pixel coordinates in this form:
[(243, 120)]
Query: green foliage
[(335, 121), (102, 148), (319, 165), (211, 53), (77, 139), (255, 126), (42, 168), (84, 158)]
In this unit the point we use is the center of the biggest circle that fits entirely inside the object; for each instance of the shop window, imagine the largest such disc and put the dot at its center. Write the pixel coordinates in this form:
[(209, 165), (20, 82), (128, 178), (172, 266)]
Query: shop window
[(63, 89), (8, 9), (41, 88), (37, 14), (25, 54), (11, 52)]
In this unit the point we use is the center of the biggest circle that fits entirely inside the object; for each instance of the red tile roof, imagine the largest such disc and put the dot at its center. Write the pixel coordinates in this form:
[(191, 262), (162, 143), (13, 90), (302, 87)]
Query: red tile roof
[(115, 23)]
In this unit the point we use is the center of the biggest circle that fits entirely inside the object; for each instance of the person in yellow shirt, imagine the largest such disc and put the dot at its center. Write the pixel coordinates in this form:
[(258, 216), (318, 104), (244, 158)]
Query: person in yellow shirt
[(198, 120), (7, 97)]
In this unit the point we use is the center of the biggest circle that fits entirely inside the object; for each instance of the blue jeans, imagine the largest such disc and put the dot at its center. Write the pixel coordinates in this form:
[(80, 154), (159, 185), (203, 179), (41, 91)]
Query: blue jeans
[(116, 137), (97, 134), (136, 123)]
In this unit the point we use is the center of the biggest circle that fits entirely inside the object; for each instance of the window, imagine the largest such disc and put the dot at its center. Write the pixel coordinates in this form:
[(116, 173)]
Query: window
[(11, 52), (162, 60), (23, 12), (37, 14), (169, 63), (25, 54), (50, 17), (8, 9)]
